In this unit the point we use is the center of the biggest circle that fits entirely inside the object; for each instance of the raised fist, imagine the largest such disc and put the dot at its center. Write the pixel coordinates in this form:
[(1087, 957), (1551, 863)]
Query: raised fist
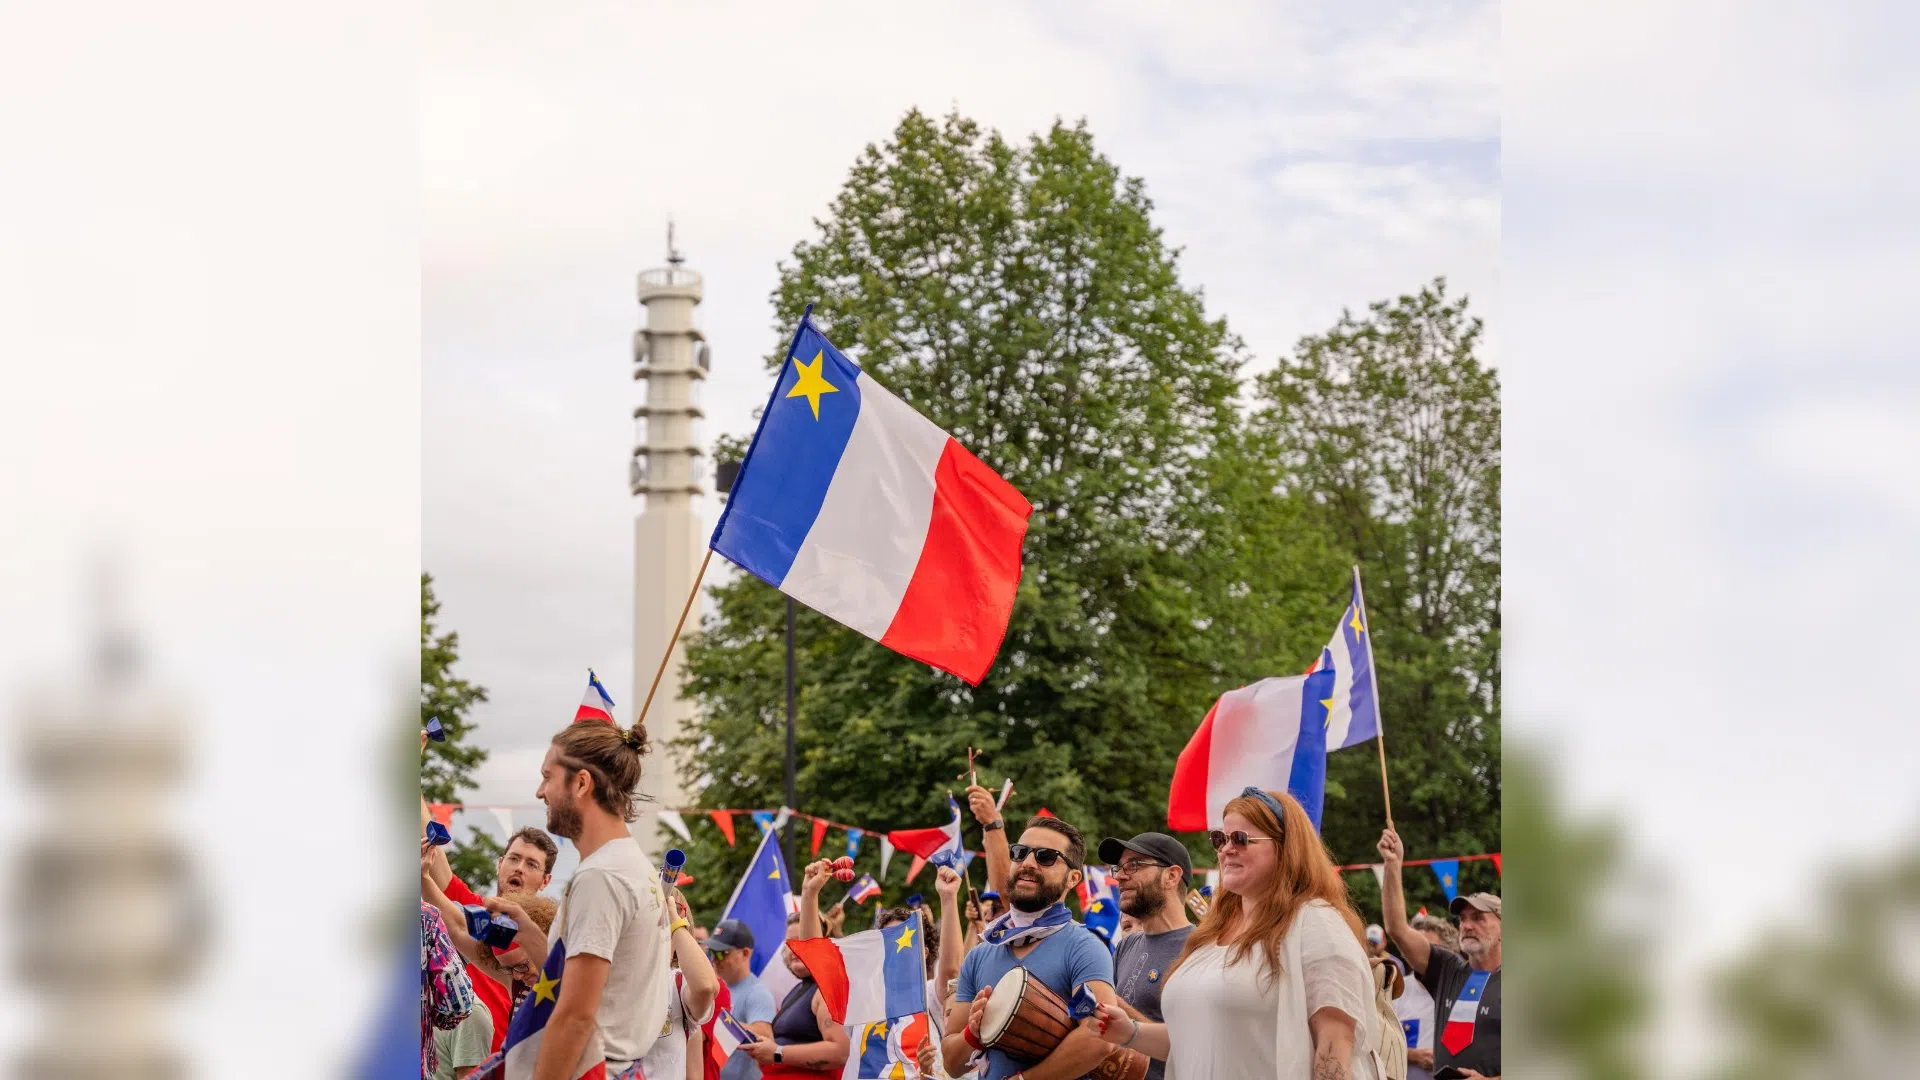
[(1392, 851)]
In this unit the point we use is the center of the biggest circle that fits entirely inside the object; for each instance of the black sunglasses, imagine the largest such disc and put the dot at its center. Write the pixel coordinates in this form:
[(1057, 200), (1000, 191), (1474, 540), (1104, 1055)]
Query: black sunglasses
[(1237, 838), (1045, 856)]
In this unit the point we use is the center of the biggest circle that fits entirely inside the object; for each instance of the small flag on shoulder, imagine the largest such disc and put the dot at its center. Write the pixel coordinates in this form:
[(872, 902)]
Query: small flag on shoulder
[(521, 1050)]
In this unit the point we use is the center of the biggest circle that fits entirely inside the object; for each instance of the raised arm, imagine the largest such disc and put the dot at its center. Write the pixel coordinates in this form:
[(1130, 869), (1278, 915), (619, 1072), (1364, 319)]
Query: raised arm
[(817, 873), (994, 840), (1393, 903), (946, 966), (703, 983)]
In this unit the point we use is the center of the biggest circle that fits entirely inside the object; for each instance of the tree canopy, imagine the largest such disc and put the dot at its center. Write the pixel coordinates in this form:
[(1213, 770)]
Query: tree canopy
[(1021, 297)]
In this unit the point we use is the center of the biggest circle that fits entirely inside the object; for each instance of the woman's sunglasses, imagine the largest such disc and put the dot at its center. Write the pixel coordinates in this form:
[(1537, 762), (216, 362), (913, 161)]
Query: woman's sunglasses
[(1045, 856), (1237, 838)]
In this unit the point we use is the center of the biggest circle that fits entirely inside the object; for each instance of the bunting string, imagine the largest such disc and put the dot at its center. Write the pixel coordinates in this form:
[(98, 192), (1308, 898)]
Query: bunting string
[(819, 824)]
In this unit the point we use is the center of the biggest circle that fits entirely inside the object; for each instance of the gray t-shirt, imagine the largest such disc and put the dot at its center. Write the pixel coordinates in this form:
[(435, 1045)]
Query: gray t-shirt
[(1139, 971), (464, 1046)]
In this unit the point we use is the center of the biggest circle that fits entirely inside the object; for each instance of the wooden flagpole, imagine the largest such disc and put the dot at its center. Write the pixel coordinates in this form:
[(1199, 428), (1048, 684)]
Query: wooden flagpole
[(675, 639), (1380, 739)]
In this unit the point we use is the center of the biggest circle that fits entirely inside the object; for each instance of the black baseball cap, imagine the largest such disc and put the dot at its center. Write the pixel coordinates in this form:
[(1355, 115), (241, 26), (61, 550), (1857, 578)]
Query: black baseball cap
[(731, 934), (1154, 845)]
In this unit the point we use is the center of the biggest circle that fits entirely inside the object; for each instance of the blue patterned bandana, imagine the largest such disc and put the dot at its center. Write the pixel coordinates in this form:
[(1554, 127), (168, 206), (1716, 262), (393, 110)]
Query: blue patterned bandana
[(1017, 928)]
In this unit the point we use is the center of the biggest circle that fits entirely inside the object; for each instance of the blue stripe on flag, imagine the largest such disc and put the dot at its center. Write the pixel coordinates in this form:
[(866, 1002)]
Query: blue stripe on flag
[(904, 967), (783, 481), (1361, 698), (1307, 782), (873, 1049)]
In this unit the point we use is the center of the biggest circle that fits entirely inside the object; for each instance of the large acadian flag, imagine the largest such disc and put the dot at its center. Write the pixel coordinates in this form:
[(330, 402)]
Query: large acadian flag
[(761, 900), (857, 506), (1276, 733), (870, 976)]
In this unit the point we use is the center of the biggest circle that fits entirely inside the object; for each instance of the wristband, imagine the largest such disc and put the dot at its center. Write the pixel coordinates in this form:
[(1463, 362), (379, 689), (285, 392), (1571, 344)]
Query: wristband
[(972, 1039), (678, 925), (1135, 1035), (995, 825)]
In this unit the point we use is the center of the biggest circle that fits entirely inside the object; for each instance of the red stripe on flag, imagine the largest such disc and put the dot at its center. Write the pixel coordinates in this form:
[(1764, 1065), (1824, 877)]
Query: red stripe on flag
[(588, 712), (829, 970), (1187, 797), (955, 610)]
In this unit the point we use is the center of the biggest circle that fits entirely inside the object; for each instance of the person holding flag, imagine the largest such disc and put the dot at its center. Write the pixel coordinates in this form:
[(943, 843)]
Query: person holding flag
[(1465, 985)]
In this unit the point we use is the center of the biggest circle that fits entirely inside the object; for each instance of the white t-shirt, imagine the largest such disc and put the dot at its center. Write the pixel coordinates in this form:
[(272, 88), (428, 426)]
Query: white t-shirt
[(667, 1060), (613, 908), (1228, 1021)]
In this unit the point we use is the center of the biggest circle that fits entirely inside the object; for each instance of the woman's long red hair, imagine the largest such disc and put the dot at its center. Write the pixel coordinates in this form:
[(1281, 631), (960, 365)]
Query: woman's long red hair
[(1305, 872)]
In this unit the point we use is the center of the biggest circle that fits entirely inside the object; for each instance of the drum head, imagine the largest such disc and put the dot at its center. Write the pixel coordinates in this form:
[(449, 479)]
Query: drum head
[(1001, 1005)]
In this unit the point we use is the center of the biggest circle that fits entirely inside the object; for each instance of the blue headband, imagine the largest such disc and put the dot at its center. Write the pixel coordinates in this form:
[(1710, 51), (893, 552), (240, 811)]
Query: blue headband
[(1273, 804)]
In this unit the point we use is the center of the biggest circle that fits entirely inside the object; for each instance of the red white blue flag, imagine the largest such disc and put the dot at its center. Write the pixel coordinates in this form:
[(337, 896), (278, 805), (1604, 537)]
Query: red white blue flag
[(857, 506), (596, 705)]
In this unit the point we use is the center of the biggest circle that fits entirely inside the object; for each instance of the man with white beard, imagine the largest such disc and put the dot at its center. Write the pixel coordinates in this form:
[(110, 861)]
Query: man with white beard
[(1465, 985)]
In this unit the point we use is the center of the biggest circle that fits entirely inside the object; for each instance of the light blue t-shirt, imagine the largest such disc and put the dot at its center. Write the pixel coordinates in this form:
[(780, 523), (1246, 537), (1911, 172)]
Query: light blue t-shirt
[(1064, 960), (752, 1004)]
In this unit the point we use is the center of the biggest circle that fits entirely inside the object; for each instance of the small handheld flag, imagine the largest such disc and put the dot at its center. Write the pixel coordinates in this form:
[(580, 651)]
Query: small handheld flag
[(596, 705), (857, 506), (435, 731), (864, 889)]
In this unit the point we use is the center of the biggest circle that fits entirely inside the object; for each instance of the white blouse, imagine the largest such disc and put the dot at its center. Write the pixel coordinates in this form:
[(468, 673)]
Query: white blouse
[(1227, 1021)]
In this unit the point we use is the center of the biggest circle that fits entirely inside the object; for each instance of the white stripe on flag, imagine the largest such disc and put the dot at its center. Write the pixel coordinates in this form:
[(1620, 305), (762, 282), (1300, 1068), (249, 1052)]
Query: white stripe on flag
[(1254, 732), (860, 554)]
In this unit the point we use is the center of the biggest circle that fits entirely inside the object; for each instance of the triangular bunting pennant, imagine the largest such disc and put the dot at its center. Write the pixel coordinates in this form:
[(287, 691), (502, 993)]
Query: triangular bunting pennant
[(913, 871), (443, 812), (819, 834), (853, 842), (1496, 865), (672, 820), (886, 855), (724, 819)]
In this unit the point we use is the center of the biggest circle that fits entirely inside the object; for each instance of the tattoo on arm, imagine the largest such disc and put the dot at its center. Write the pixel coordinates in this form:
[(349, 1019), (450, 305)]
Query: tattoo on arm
[(1328, 1067)]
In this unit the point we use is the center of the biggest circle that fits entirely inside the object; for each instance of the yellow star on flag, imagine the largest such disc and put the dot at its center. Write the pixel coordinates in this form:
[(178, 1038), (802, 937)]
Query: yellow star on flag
[(1358, 629), (812, 383), (905, 940), (1328, 702), (543, 990), (774, 873)]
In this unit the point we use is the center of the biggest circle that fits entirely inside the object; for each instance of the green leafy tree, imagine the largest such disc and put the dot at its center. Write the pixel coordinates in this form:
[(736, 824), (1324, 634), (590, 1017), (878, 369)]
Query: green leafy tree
[(447, 768), (1020, 297), (1388, 425)]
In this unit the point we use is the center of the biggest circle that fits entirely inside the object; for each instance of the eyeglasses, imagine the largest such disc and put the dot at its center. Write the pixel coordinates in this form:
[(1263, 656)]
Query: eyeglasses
[(1237, 838), (1045, 856), (1128, 869)]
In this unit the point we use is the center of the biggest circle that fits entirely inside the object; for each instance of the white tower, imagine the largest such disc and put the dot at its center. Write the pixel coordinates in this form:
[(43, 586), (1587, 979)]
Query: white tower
[(668, 473)]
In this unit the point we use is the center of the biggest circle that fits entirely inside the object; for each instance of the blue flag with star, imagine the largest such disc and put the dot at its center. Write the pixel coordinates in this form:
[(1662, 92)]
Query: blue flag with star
[(760, 900), (1448, 871)]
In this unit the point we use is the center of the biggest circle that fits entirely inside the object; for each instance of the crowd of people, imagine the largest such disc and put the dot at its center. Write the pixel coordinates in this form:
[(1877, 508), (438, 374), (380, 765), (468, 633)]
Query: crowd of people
[(1276, 978)]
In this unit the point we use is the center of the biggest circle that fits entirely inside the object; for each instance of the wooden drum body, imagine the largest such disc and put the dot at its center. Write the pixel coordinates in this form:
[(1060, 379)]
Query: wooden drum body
[(1024, 1018)]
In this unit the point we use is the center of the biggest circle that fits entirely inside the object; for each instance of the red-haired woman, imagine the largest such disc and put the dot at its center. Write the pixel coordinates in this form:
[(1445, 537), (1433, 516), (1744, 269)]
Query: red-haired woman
[(1274, 981)]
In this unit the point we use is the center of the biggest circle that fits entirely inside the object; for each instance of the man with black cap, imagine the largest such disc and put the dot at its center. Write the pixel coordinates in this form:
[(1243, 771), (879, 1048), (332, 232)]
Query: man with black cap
[(731, 944), (1152, 871), (1465, 985)]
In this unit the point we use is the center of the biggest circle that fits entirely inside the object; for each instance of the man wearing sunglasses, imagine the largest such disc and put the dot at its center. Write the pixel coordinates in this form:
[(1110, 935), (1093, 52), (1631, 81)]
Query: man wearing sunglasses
[(1037, 934), (1153, 871)]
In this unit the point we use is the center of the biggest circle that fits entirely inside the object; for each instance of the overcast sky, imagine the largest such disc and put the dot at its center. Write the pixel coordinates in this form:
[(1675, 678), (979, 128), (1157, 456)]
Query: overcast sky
[(1306, 160)]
